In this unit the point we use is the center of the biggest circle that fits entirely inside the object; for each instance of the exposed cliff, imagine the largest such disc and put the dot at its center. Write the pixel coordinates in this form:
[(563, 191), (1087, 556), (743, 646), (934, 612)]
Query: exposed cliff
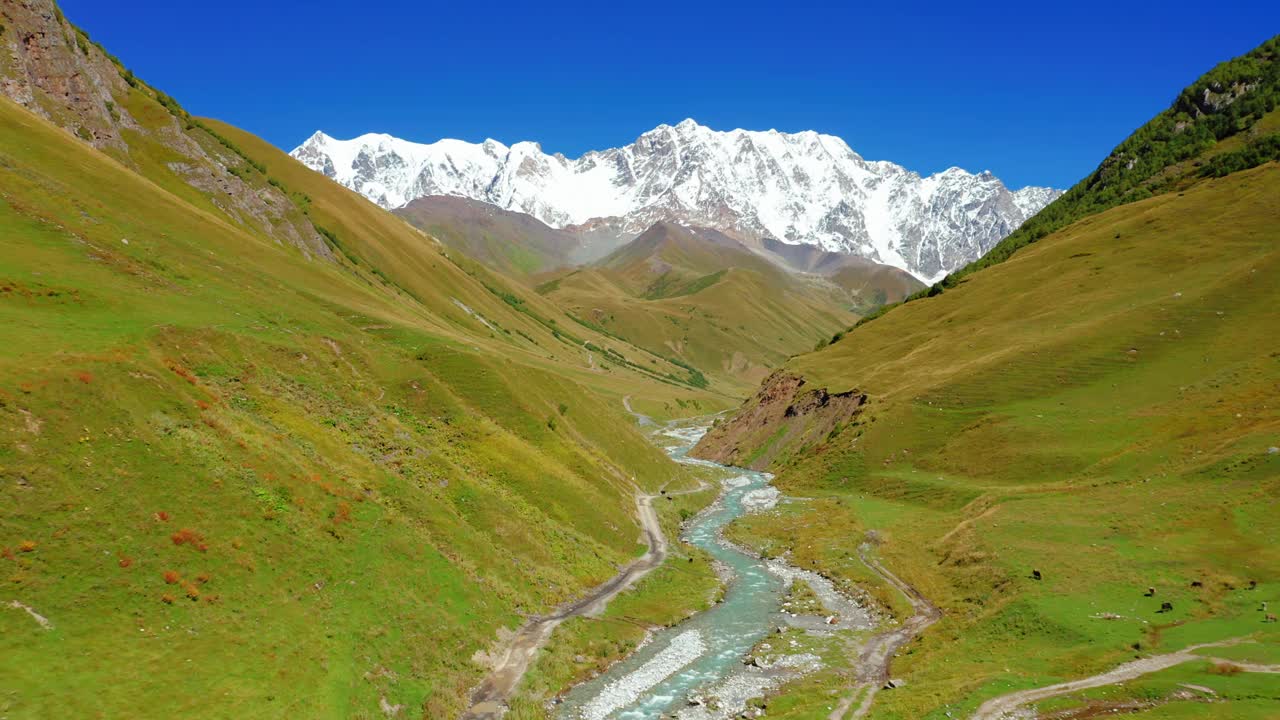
[(784, 416), (54, 69)]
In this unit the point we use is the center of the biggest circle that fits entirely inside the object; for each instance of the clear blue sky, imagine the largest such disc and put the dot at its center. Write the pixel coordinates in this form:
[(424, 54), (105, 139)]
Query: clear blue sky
[(1035, 91)]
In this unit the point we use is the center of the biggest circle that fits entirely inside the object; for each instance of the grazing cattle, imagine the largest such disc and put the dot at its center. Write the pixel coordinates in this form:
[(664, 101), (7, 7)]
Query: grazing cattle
[(1036, 575), (1150, 591), (1166, 607), (1270, 618), (1253, 584)]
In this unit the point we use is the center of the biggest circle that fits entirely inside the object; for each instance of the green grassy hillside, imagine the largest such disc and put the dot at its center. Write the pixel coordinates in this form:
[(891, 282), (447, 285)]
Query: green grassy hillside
[(515, 244), (255, 467), (1101, 407), (698, 297)]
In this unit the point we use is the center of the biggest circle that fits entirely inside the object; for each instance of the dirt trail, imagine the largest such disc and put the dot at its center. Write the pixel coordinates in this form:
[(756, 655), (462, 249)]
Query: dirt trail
[(489, 701), (1012, 705), (877, 654), (644, 420)]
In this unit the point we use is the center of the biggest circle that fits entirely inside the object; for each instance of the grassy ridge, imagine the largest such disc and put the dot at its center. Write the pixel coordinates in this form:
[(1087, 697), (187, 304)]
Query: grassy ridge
[(700, 299), (1098, 408)]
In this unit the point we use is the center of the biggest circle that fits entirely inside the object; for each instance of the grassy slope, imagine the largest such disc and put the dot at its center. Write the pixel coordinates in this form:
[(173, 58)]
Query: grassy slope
[(722, 310), (1099, 407), (513, 243), (356, 455)]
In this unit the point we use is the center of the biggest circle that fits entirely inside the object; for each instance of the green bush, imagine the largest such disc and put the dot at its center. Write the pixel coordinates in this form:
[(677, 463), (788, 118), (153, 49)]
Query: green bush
[(1250, 156)]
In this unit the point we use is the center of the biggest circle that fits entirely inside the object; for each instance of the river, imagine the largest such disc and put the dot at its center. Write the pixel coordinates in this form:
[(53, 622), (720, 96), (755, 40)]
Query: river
[(702, 657)]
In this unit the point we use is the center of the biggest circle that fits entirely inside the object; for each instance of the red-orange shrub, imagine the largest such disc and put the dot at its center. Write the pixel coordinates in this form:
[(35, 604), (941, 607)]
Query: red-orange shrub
[(204, 577), (6, 553), (167, 599), (343, 513), (162, 516), (27, 546), (187, 536), (193, 592), (202, 405), (171, 576), (84, 376), (125, 561), (182, 372)]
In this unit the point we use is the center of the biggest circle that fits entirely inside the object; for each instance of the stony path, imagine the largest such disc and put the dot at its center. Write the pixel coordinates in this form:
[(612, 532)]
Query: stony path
[(1013, 705), (489, 701), (877, 654)]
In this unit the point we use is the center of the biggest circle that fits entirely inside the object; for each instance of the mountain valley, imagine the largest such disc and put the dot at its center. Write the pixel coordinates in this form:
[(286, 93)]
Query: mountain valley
[(711, 425)]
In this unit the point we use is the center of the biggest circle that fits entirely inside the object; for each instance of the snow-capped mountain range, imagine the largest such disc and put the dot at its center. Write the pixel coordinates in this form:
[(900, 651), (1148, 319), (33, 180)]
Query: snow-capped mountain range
[(799, 188)]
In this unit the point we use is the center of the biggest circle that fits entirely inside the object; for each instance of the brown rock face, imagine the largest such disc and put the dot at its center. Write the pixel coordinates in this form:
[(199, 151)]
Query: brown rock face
[(785, 415), (54, 70)]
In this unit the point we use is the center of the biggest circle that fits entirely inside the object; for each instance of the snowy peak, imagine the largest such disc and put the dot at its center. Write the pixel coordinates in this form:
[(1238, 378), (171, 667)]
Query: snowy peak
[(800, 188)]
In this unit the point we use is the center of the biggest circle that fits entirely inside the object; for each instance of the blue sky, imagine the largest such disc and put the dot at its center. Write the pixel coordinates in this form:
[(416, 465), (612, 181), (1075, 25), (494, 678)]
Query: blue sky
[(1037, 92)]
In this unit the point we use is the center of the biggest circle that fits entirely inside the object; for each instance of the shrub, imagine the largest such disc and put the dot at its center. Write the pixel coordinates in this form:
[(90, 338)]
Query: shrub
[(343, 513), (192, 591), (162, 516), (204, 578), (6, 553), (187, 536), (171, 577), (182, 372), (27, 546), (125, 561), (1225, 668), (167, 599), (84, 376)]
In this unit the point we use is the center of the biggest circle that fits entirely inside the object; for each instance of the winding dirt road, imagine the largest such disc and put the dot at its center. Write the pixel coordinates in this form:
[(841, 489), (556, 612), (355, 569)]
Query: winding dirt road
[(1013, 705), (489, 701), (876, 655)]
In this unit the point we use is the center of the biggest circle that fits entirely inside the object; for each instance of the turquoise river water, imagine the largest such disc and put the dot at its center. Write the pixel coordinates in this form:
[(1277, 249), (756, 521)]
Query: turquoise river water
[(707, 647)]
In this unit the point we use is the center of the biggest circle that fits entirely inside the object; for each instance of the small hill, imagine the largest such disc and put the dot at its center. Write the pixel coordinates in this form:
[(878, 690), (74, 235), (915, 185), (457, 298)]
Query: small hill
[(700, 298), (510, 242), (870, 284), (669, 260)]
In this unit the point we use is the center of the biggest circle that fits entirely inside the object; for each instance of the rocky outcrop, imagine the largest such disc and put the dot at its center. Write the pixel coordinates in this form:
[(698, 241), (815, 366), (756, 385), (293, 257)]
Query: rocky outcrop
[(54, 70), (784, 416)]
